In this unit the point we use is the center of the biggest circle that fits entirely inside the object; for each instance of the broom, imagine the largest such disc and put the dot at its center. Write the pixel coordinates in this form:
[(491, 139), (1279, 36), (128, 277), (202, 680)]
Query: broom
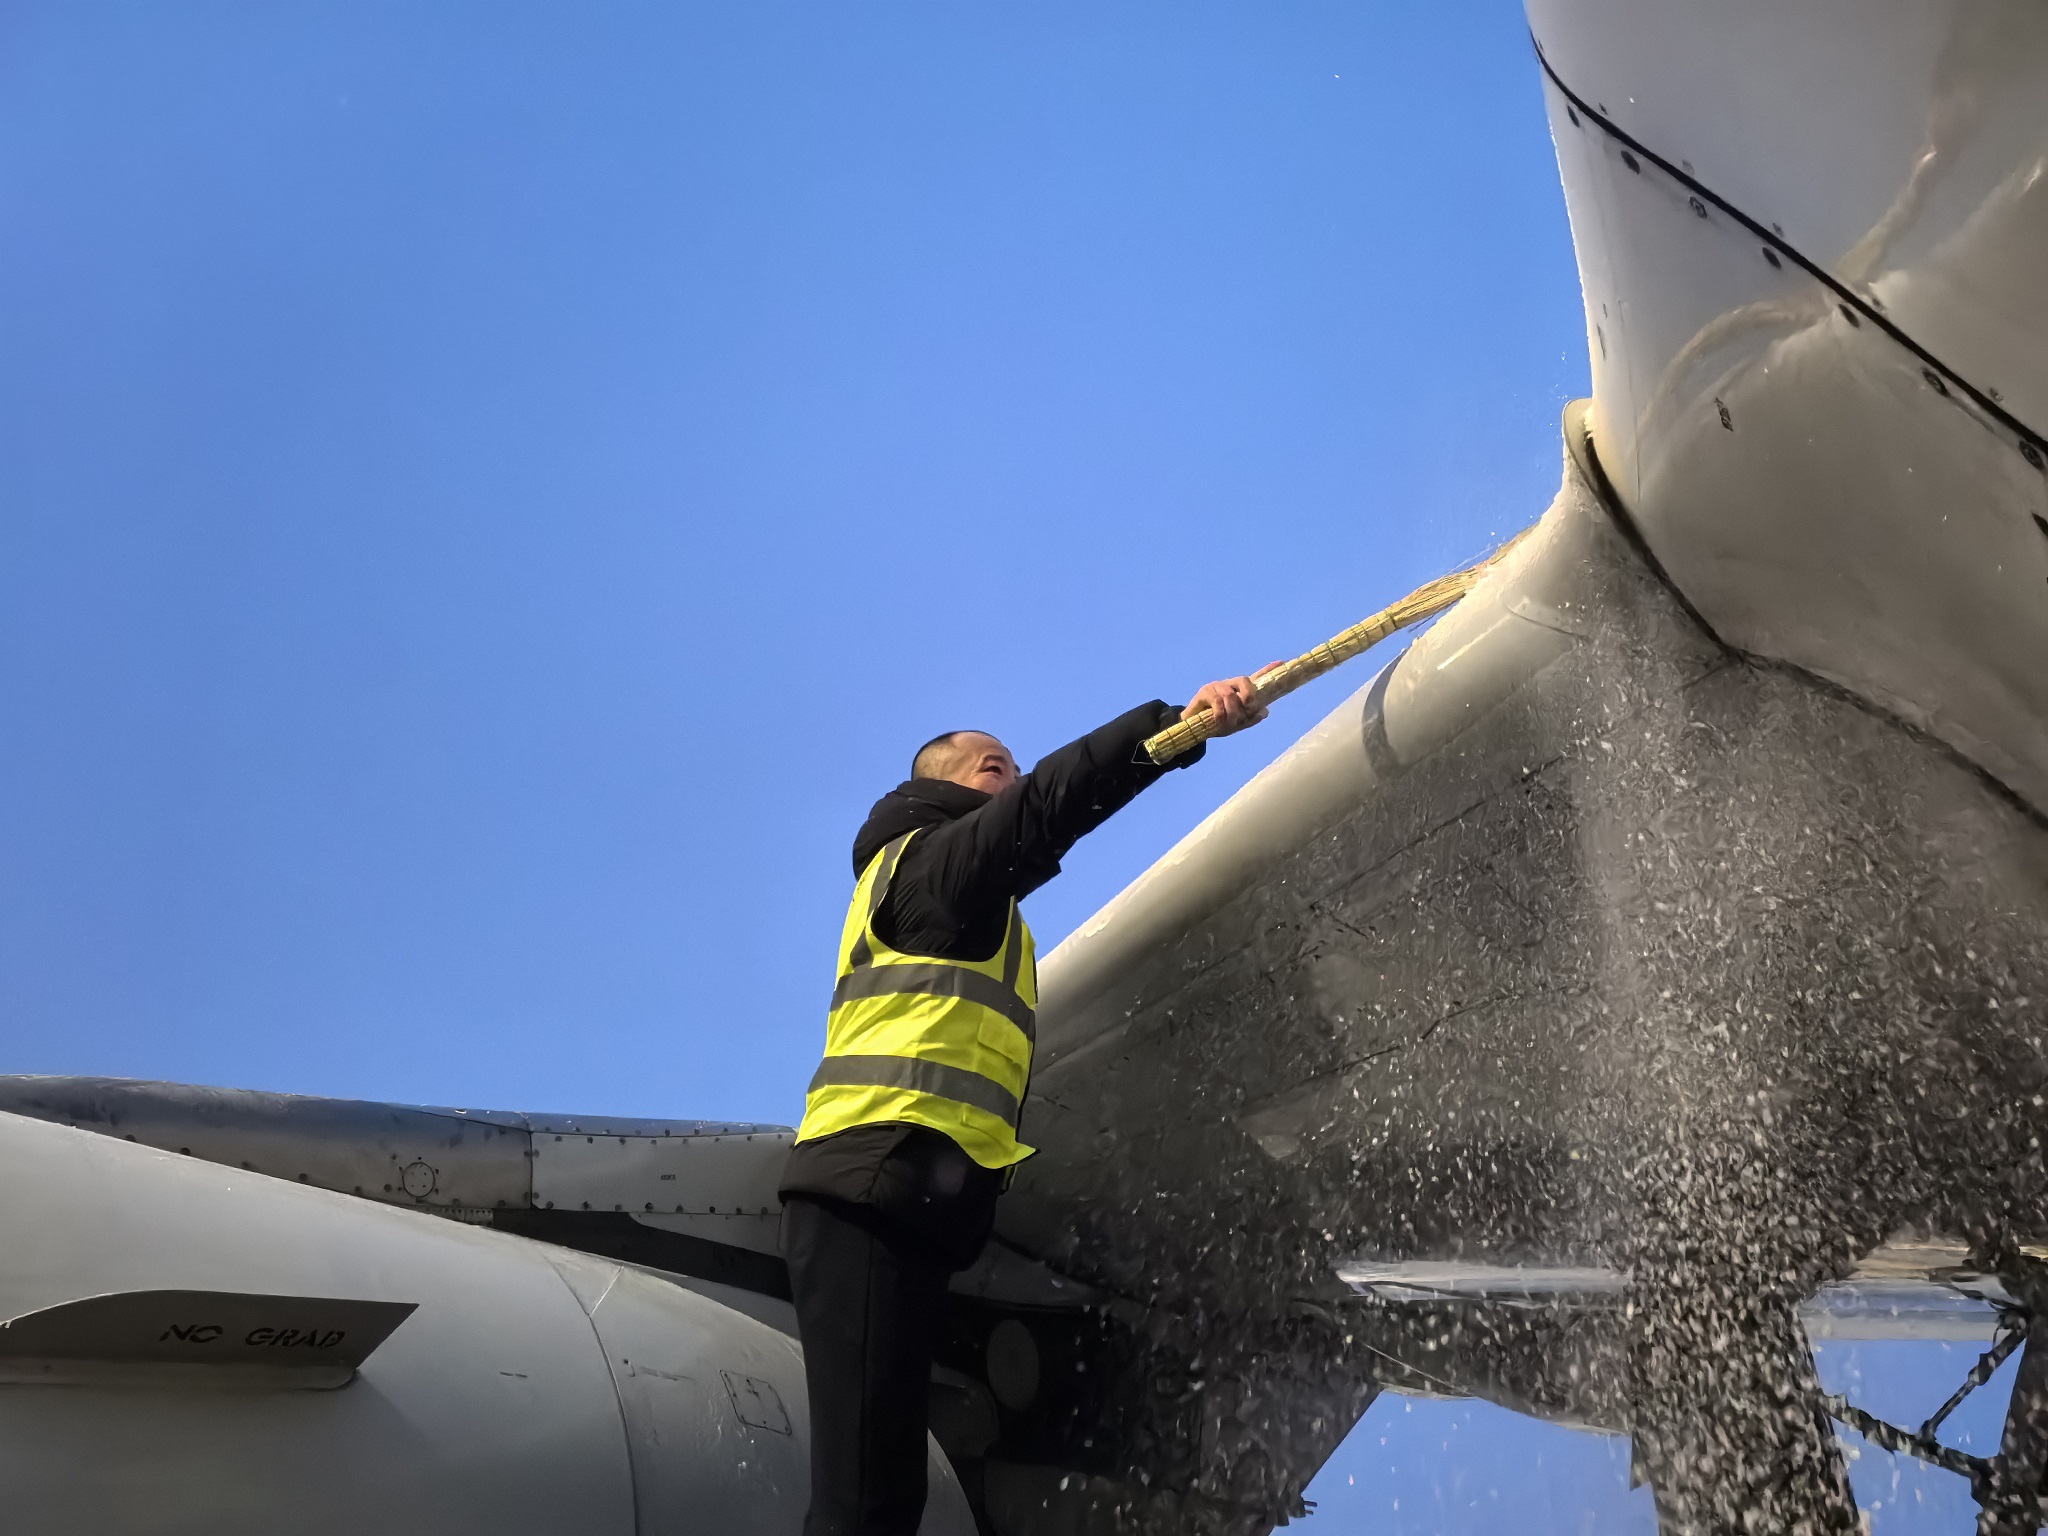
[(1425, 602)]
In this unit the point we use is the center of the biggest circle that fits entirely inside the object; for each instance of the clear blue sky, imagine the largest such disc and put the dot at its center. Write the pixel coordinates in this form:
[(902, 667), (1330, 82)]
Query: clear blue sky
[(493, 492), (489, 494)]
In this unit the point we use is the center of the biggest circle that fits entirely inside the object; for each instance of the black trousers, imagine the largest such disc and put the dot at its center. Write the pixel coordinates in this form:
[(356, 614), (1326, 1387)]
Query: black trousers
[(869, 1280)]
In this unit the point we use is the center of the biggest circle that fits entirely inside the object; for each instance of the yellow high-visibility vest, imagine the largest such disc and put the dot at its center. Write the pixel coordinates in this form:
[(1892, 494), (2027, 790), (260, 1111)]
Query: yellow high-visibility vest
[(912, 1038)]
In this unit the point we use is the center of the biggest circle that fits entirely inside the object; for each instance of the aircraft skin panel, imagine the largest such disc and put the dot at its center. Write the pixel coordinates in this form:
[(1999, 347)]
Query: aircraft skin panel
[(489, 1410), (723, 1449), (1895, 143), (532, 1390), (1526, 615), (1422, 819), (1841, 468), (1601, 944), (1312, 782), (712, 1183)]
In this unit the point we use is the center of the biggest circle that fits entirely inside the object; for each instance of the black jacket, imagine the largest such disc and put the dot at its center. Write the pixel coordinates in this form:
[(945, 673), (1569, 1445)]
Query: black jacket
[(974, 854)]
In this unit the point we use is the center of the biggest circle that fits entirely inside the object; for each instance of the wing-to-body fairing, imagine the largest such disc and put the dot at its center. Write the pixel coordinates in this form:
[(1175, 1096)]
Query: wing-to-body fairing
[(1659, 944)]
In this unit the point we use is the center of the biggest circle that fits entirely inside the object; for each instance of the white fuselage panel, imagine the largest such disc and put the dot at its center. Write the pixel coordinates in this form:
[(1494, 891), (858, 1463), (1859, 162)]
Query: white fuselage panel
[(533, 1391), (1814, 246)]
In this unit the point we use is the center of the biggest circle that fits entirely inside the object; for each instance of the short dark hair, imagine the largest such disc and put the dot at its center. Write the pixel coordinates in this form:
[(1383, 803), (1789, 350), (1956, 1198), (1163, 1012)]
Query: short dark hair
[(927, 755)]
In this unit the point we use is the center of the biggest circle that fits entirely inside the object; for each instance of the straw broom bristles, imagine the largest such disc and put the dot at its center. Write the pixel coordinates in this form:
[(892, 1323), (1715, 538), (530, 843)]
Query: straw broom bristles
[(1425, 602)]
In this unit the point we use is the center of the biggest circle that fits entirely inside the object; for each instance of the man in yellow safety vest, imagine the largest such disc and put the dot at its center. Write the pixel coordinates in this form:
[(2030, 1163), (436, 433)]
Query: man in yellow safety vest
[(910, 1125)]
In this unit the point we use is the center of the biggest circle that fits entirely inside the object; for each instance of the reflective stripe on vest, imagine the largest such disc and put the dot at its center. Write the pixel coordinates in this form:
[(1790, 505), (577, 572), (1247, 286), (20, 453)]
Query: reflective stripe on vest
[(924, 1041)]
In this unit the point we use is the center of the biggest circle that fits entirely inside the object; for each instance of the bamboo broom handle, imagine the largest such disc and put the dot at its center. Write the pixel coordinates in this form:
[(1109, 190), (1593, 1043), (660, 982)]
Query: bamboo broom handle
[(1424, 602)]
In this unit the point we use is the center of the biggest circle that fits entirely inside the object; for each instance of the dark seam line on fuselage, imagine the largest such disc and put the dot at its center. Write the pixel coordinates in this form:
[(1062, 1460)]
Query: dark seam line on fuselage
[(1379, 751), (1777, 242), (1992, 783), (1604, 493), (1609, 501)]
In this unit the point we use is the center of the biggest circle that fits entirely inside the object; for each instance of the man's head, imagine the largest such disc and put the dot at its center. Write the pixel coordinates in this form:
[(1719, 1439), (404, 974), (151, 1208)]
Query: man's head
[(973, 758)]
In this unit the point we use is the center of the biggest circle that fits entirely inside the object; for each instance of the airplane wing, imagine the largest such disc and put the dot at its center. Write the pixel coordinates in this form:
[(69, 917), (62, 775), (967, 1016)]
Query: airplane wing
[(1651, 943), (1676, 906)]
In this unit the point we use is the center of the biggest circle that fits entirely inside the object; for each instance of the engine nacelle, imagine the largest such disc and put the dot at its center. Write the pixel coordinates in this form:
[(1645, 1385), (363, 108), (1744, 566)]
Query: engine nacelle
[(530, 1389)]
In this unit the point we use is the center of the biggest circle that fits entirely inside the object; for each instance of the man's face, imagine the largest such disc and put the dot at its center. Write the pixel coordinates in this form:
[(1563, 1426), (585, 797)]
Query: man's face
[(981, 762)]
